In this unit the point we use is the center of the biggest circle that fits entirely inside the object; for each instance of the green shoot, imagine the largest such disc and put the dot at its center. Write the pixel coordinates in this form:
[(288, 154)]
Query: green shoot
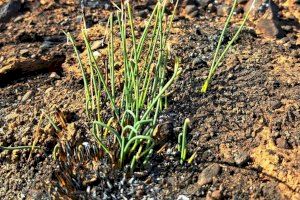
[(191, 159), (219, 56), (55, 151), (182, 140)]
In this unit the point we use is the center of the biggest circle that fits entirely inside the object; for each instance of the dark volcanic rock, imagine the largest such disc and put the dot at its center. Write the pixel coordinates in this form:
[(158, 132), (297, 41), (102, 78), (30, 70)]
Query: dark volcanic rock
[(9, 10)]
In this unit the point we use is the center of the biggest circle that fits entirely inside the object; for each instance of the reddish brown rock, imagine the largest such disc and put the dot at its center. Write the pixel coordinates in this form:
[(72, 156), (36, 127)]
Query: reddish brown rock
[(208, 174), (269, 28), (269, 24)]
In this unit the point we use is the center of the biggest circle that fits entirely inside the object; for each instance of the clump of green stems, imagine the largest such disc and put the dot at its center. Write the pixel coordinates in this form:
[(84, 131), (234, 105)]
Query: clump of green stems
[(135, 106), (182, 140), (219, 54)]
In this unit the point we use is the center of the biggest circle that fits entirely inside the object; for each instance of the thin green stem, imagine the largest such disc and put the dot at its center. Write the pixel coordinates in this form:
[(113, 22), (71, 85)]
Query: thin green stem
[(19, 148), (217, 60)]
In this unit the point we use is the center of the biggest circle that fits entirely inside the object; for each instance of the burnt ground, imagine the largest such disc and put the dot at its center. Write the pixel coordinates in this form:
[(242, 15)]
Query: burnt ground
[(245, 129)]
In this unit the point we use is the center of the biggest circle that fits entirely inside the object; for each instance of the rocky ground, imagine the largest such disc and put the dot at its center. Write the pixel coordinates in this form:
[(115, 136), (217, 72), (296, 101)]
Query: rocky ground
[(245, 130)]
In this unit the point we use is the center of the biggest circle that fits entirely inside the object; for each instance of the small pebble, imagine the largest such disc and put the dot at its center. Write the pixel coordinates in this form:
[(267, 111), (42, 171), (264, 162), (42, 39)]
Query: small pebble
[(24, 140), (217, 194), (47, 92), (24, 52), (212, 8), (27, 96), (97, 44), (242, 1), (191, 10), (204, 3), (54, 75), (46, 45), (198, 62), (282, 143), (276, 104), (241, 158), (19, 18), (182, 197), (208, 174)]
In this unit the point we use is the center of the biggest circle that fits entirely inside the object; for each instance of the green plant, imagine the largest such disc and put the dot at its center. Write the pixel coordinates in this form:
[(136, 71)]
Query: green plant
[(220, 54), (134, 105), (182, 142)]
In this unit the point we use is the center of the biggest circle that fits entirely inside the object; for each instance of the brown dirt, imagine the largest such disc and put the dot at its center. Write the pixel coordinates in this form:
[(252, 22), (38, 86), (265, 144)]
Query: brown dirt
[(245, 129)]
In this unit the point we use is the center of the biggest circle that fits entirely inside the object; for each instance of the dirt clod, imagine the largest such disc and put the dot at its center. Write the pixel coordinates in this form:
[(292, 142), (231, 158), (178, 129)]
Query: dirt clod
[(208, 174)]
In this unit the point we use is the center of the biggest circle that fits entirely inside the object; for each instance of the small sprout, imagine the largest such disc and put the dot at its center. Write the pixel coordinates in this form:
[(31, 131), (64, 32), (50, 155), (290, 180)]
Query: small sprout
[(191, 159), (182, 140), (55, 151), (133, 163)]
